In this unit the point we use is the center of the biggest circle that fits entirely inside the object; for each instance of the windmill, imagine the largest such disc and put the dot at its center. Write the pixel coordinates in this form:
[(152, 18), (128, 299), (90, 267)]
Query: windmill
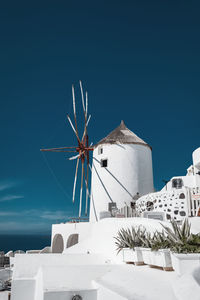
[(83, 148)]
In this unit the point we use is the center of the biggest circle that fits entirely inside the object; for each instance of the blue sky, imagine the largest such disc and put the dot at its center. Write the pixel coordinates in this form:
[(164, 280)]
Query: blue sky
[(139, 61)]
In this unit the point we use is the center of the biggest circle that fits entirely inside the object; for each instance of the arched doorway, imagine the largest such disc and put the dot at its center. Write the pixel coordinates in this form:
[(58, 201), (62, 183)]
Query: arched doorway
[(72, 240), (57, 244)]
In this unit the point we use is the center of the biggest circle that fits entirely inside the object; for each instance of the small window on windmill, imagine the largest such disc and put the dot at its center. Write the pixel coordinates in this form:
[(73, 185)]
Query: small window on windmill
[(104, 163), (100, 150)]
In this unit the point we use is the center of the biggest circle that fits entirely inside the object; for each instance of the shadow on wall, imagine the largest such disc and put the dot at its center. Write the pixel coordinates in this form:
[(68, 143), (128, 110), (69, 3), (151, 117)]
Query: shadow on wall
[(58, 242), (72, 240)]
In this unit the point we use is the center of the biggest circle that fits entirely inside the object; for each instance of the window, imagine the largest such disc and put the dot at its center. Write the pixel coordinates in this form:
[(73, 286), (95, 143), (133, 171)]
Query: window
[(182, 196), (100, 150), (177, 183), (104, 163)]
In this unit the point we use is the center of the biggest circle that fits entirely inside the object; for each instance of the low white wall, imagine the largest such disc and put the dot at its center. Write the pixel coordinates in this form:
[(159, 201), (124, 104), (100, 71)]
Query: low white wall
[(38, 286), (101, 239), (60, 273), (82, 229), (21, 287), (27, 265)]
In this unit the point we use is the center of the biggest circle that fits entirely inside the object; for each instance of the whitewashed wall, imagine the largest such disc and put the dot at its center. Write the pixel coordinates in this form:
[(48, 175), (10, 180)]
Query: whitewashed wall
[(65, 230), (129, 171)]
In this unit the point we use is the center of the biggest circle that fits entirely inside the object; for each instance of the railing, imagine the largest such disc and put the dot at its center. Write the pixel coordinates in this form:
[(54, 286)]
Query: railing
[(77, 220), (126, 212), (194, 203)]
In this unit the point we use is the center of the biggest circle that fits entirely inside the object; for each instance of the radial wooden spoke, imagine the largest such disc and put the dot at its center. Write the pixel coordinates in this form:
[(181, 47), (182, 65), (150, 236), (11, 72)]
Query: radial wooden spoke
[(74, 157), (75, 179), (86, 125), (73, 97), (74, 108), (70, 122), (84, 109), (60, 148), (86, 105), (81, 190), (49, 150), (82, 96), (88, 120)]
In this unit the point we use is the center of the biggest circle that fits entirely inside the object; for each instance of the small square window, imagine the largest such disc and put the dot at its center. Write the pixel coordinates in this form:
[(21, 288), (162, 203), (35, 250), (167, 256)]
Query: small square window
[(100, 150), (177, 183), (104, 163)]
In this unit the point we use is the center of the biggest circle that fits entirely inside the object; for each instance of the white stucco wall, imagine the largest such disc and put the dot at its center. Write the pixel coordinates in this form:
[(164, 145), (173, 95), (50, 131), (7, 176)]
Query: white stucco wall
[(196, 158), (188, 181), (129, 171), (66, 229), (101, 239), (56, 276), (196, 163)]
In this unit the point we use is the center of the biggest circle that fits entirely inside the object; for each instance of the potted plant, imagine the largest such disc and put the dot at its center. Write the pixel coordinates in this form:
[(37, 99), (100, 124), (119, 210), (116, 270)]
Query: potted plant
[(184, 246), (129, 242), (146, 242), (158, 253)]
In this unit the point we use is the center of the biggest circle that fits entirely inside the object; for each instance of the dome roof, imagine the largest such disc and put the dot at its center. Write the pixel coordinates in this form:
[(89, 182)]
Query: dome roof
[(122, 135)]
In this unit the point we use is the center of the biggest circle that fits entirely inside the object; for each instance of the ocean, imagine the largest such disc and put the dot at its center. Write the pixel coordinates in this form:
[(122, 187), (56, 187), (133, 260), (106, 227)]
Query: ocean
[(24, 242)]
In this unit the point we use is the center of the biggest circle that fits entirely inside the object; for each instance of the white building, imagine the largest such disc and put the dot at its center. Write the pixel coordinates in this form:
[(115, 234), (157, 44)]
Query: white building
[(178, 199), (82, 261)]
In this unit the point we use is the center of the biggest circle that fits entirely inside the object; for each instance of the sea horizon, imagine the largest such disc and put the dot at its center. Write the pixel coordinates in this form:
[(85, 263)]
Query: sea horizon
[(24, 241)]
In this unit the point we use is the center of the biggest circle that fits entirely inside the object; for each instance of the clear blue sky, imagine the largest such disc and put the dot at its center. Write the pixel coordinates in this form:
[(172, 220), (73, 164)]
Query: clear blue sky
[(139, 61)]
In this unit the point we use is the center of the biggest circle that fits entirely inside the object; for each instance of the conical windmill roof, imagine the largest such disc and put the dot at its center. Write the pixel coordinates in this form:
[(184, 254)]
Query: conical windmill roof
[(122, 135)]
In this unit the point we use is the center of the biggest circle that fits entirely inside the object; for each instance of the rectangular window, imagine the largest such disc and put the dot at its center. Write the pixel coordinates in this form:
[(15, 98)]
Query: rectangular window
[(104, 163), (100, 150)]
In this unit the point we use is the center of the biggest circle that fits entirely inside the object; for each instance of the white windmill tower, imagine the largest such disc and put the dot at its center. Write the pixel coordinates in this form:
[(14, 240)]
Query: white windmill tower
[(121, 168)]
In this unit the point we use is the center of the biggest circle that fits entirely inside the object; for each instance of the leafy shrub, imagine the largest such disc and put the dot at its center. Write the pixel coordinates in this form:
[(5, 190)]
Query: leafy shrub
[(130, 238), (159, 241), (180, 238)]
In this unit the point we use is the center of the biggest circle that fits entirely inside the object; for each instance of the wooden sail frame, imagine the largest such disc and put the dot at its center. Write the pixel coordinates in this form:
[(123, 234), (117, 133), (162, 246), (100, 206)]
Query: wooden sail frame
[(82, 149)]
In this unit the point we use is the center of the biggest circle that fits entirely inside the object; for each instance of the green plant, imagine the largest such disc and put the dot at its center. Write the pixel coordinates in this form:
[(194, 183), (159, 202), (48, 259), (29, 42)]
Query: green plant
[(130, 238), (146, 240), (177, 238), (180, 238), (159, 241)]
